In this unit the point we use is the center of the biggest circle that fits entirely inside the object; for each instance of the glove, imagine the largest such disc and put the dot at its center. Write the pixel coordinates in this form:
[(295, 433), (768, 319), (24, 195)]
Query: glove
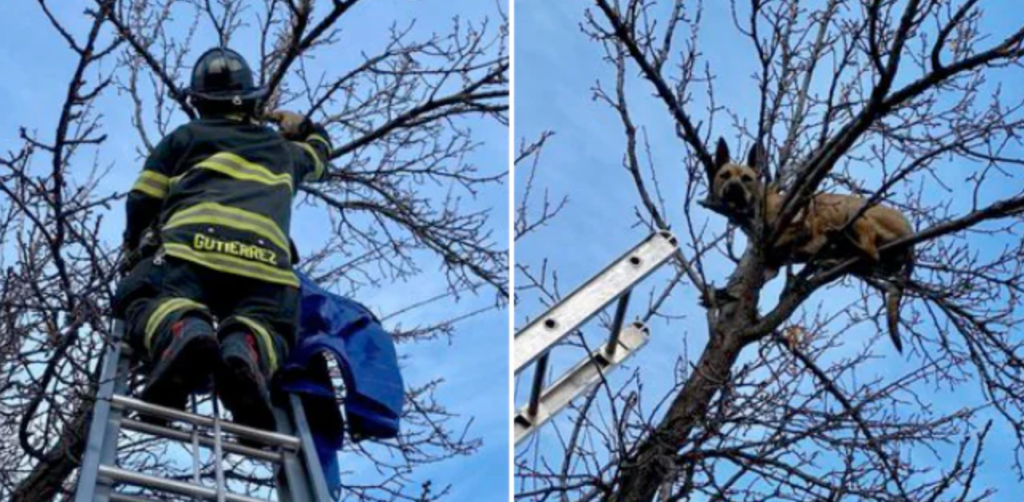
[(130, 259), (293, 126), (148, 246)]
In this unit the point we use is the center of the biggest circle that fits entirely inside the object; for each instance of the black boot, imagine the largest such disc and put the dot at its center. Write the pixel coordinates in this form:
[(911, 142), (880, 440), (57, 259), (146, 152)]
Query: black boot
[(242, 381), (183, 357)]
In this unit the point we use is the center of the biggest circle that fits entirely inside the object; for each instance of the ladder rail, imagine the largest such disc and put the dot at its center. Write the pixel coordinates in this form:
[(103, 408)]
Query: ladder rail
[(300, 480), (101, 445), (533, 344), (193, 439), (309, 451), (291, 472), (218, 455), (294, 454), (538, 337), (579, 379)]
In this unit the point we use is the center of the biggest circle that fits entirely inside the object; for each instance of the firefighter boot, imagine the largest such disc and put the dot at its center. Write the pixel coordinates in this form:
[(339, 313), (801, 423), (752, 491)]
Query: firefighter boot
[(183, 357), (242, 381)]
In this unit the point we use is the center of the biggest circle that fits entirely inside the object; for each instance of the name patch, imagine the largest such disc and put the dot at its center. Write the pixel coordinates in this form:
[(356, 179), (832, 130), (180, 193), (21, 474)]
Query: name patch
[(234, 248)]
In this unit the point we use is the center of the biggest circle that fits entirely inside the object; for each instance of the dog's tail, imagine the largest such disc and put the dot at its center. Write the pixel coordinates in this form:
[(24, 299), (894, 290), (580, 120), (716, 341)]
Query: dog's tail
[(894, 296)]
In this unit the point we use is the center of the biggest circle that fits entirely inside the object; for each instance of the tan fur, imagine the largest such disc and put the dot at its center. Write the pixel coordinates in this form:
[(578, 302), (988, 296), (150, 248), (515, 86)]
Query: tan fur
[(739, 188), (829, 213)]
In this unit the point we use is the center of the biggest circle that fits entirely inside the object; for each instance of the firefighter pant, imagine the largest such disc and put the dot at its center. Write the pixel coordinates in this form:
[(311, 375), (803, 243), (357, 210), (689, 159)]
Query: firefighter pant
[(159, 292)]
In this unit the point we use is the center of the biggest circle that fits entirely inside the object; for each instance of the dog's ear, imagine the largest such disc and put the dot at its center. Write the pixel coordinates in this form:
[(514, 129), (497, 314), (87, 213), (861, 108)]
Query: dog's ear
[(721, 153), (756, 157)]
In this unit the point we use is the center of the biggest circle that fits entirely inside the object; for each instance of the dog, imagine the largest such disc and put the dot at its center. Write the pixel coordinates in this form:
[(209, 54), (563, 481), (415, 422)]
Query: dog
[(741, 191)]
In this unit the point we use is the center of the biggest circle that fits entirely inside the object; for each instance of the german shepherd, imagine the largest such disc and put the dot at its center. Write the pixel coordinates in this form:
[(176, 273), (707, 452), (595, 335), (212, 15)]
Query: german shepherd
[(741, 191)]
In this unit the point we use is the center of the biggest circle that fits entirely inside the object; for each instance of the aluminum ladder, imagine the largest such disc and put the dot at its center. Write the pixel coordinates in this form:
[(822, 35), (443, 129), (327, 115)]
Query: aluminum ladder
[(290, 449), (533, 343)]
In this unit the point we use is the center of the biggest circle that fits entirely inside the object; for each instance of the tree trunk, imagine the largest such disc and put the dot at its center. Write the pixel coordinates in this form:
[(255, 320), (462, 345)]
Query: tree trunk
[(47, 479), (642, 475), (641, 478)]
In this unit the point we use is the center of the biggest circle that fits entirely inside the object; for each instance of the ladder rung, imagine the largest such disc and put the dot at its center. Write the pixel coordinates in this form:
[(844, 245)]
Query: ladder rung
[(299, 477), (119, 475), (266, 437), (179, 435), (123, 497), (578, 380)]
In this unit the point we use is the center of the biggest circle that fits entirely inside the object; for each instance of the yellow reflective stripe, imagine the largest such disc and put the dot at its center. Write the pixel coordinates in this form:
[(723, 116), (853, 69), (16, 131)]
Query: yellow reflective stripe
[(212, 213), (155, 177), (140, 186), (319, 170), (237, 167), (152, 183), (266, 338), (321, 139), (166, 308), (231, 265)]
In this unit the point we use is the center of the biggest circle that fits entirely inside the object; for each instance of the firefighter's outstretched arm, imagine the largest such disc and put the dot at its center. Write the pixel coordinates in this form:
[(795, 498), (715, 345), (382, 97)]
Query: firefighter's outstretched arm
[(147, 194), (310, 142)]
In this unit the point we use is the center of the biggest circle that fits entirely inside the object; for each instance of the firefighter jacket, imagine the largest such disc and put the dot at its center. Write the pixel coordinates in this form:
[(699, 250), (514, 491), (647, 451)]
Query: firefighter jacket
[(219, 191)]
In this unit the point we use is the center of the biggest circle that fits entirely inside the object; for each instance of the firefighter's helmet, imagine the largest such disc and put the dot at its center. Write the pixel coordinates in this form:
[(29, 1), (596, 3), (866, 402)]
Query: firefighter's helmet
[(221, 75)]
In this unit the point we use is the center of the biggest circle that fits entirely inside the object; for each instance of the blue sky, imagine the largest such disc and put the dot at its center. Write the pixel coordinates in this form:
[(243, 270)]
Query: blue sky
[(473, 363), (556, 67)]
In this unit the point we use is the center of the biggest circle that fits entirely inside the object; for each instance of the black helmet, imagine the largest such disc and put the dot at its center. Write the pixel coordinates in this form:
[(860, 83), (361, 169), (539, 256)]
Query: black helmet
[(222, 75)]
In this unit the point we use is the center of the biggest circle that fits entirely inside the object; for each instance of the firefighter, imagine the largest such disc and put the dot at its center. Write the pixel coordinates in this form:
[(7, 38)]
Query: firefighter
[(213, 293)]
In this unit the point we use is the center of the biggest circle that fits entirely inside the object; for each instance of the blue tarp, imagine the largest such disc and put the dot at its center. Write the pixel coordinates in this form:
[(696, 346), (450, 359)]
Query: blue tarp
[(349, 332)]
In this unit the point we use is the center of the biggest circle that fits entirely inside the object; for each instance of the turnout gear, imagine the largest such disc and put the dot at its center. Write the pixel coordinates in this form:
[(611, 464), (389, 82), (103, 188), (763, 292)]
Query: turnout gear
[(187, 343), (183, 300), (183, 288), (218, 192), (243, 371), (147, 247), (223, 75)]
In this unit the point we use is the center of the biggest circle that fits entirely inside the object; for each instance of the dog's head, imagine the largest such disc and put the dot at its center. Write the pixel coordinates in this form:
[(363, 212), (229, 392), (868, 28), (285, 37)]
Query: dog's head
[(737, 186)]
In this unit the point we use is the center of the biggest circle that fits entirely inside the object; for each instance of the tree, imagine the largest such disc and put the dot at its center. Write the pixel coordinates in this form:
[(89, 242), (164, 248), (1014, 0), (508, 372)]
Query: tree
[(398, 204), (899, 102)]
